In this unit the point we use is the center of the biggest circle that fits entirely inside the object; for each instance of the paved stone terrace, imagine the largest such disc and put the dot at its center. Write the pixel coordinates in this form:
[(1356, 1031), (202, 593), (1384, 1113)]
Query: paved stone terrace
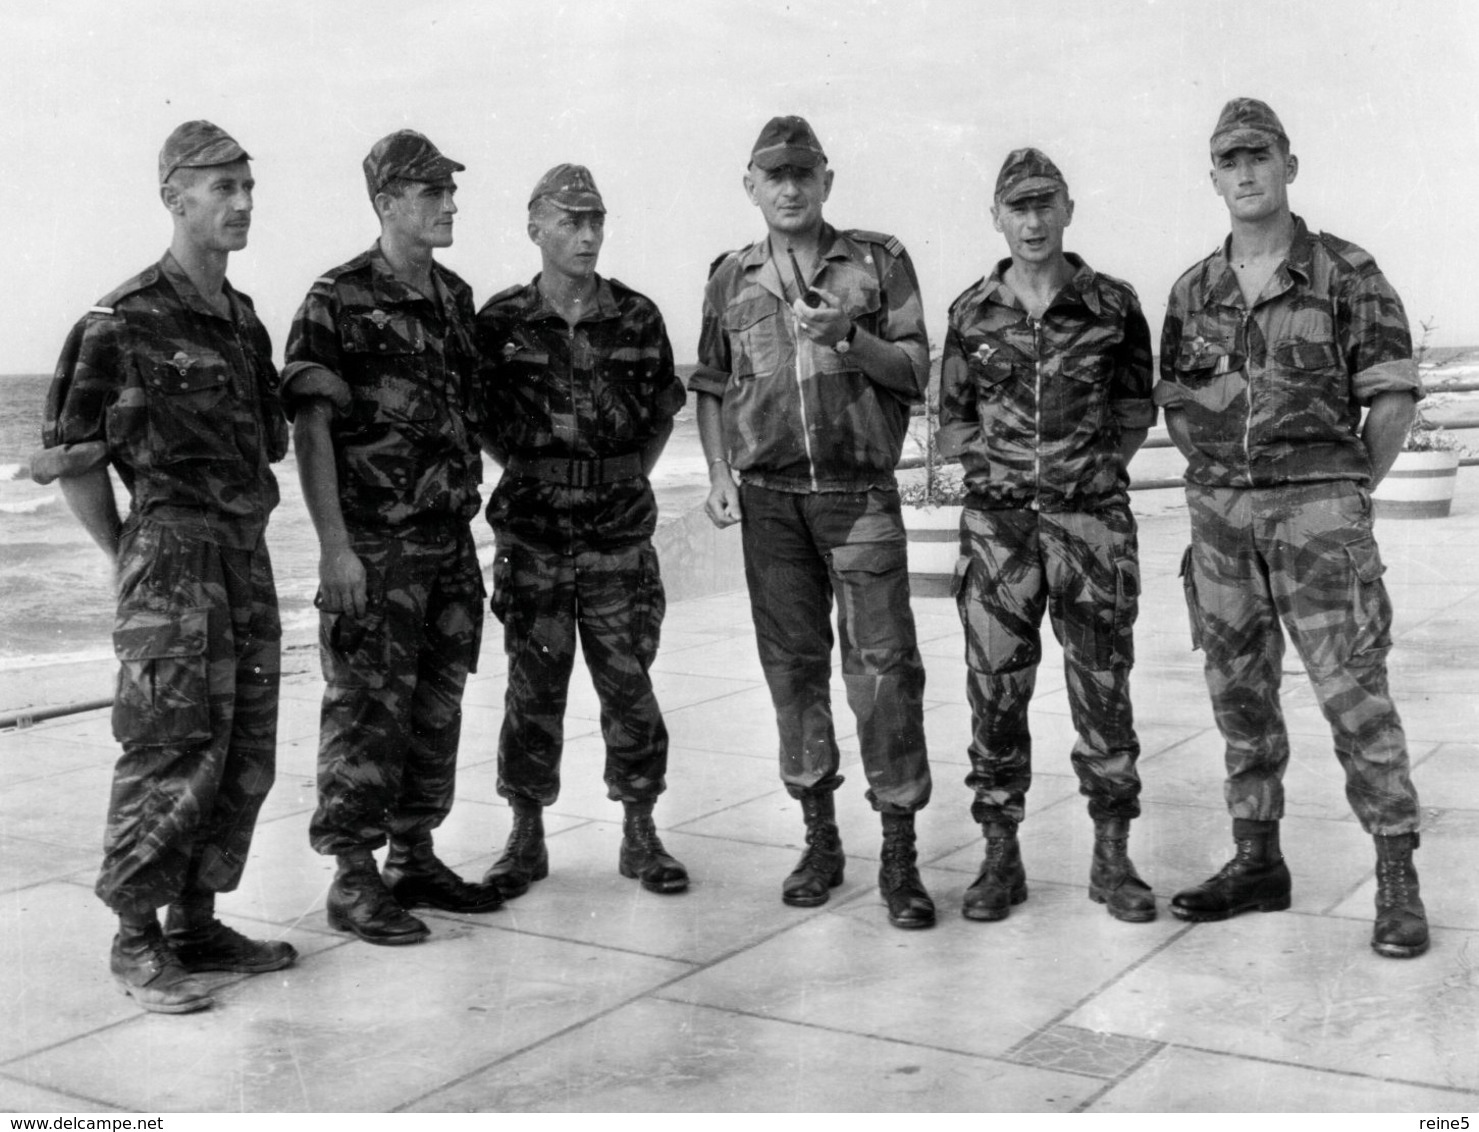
[(589, 994)]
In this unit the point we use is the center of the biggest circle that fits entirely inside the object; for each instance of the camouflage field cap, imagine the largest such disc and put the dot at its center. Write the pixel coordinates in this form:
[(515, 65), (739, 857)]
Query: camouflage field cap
[(787, 140), (571, 187), (409, 156), (1027, 172), (1246, 123), (196, 145)]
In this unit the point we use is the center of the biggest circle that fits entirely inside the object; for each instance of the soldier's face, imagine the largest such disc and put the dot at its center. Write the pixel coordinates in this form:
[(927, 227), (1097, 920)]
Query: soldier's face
[(1254, 183), (1034, 225), (422, 215), (790, 197), (213, 205), (569, 242)]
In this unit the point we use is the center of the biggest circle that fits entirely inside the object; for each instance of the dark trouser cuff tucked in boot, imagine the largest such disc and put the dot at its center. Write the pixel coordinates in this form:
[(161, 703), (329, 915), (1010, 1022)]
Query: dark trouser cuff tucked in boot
[(643, 856), (1256, 879), (909, 905), (148, 971), (821, 865), (416, 877), (1002, 880), (525, 858), (360, 903), (202, 943), (1401, 928), (1113, 880)]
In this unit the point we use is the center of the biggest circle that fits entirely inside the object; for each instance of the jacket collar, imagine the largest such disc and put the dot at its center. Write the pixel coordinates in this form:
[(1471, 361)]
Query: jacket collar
[(1082, 287)]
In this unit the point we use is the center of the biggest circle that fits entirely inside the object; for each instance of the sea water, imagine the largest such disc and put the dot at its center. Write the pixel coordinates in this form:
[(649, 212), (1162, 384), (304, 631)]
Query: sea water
[(56, 587)]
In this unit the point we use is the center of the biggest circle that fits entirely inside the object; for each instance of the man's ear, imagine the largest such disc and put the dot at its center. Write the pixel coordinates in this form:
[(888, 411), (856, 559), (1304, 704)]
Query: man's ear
[(1292, 169), (749, 182), (170, 196)]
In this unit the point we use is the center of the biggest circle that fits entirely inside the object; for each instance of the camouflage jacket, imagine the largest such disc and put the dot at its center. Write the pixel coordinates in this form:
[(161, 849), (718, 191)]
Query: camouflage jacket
[(798, 416), (182, 400), (600, 389), (1034, 408), (1273, 394), (406, 447)]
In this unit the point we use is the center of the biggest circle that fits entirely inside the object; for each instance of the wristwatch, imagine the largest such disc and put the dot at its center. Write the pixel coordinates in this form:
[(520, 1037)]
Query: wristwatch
[(844, 344)]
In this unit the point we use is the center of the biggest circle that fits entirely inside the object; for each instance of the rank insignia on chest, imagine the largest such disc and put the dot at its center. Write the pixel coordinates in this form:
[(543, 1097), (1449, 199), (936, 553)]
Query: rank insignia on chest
[(379, 318), (182, 362), (984, 352)]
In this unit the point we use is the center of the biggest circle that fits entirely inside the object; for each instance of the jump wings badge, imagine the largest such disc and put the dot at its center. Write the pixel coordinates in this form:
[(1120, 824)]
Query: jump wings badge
[(984, 352), (379, 318), (182, 362)]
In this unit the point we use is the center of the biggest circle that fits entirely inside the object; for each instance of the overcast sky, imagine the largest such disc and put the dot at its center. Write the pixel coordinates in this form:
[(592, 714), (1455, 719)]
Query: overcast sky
[(916, 104)]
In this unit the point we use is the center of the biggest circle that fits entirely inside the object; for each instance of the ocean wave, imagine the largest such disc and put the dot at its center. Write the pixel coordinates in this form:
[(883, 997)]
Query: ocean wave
[(30, 506), (20, 471), (49, 659)]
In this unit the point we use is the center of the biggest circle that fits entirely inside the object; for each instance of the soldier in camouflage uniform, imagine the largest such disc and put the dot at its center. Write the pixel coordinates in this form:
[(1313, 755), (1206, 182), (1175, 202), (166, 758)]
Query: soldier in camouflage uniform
[(580, 391), (1045, 397), (1272, 345), (805, 379), (170, 380), (380, 366)]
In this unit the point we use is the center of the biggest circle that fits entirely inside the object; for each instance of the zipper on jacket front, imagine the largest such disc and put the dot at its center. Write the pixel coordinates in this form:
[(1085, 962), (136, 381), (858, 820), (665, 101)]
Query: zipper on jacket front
[(811, 466), (1036, 414), (1248, 379)]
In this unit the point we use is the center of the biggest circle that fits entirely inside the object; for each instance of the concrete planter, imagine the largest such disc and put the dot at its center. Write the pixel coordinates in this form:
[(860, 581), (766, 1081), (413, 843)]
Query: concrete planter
[(934, 546), (1419, 486)]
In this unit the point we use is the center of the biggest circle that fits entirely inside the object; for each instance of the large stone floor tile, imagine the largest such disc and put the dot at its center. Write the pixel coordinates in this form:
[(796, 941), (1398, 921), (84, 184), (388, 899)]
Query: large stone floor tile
[(733, 899), (963, 986), (1188, 1080), (1448, 778), (68, 808), (1305, 990), (92, 727), (25, 862), (28, 754), (742, 723), (54, 978), (656, 1056), (17, 1096), (358, 1028), (733, 657), (674, 690)]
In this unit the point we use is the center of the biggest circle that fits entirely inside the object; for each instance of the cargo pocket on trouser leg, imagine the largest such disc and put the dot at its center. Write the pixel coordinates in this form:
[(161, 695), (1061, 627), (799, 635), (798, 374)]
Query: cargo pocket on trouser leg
[(1126, 608), (1189, 589), (164, 677), (1371, 608)]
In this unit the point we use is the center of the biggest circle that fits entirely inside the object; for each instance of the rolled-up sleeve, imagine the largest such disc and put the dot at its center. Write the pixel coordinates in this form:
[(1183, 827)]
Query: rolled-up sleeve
[(1130, 398), (1377, 341)]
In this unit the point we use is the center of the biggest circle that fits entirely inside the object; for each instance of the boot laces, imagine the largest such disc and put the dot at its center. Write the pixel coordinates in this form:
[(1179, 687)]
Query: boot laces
[(1393, 882)]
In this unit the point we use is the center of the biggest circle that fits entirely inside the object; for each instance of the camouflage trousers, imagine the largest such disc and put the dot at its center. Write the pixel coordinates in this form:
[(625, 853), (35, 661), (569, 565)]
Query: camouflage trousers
[(198, 643), (800, 550), (1082, 569), (614, 601), (1303, 555), (392, 707)]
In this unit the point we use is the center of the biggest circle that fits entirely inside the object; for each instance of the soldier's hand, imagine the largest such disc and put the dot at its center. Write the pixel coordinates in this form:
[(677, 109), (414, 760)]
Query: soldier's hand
[(723, 504), (341, 582), (825, 325)]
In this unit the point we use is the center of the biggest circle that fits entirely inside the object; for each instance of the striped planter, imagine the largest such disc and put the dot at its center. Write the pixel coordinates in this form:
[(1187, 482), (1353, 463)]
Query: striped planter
[(1419, 486), (934, 545)]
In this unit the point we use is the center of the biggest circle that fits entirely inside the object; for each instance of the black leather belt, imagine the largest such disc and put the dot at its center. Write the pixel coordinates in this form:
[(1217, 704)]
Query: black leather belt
[(578, 473)]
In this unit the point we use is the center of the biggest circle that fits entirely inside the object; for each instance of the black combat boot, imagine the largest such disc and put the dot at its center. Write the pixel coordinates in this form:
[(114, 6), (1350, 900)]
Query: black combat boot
[(1401, 930), (1255, 879), (525, 858), (202, 943), (909, 905), (360, 903), (416, 876), (149, 972), (642, 855), (1113, 880), (821, 864), (1002, 880)]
